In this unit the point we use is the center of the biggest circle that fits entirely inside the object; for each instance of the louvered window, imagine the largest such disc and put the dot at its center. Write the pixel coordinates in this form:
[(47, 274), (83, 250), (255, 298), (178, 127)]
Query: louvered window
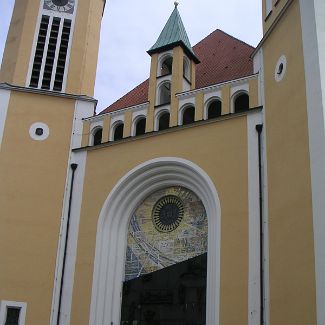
[(58, 82), (50, 55), (39, 52)]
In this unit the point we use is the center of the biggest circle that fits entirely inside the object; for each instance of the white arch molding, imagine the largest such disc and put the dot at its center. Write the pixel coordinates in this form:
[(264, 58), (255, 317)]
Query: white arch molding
[(112, 232)]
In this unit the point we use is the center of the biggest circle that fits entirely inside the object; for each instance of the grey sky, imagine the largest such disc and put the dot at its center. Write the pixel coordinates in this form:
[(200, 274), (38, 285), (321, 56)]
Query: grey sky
[(130, 28)]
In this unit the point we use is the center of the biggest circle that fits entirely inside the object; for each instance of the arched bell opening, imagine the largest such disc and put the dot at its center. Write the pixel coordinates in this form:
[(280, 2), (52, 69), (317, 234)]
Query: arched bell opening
[(166, 67), (213, 109), (97, 136), (140, 126), (188, 116), (241, 102), (163, 121), (118, 131), (164, 93)]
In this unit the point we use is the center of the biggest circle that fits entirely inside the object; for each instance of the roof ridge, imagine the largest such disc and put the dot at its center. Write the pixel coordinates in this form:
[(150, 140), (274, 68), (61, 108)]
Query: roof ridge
[(139, 85), (225, 33), (236, 38)]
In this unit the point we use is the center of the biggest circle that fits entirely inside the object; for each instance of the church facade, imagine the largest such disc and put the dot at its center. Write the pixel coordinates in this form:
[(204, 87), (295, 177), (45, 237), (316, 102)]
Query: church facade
[(196, 198)]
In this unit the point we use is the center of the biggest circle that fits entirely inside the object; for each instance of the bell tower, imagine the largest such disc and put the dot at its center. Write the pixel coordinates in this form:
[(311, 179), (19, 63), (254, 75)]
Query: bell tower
[(173, 63), (50, 53), (53, 45), (290, 60), (47, 82)]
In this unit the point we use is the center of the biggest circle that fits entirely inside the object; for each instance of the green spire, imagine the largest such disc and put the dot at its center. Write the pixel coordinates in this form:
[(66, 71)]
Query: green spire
[(172, 35)]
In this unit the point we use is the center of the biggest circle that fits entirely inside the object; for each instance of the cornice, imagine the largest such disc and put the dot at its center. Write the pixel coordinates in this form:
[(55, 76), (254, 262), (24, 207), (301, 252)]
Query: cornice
[(10, 87)]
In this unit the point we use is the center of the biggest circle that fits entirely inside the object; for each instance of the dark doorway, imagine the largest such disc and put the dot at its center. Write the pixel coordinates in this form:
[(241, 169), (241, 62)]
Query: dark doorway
[(189, 115), (242, 103), (214, 109), (98, 137), (118, 132), (175, 295), (164, 121), (140, 127)]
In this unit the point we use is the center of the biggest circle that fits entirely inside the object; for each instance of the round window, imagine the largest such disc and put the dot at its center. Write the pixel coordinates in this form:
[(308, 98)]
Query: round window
[(280, 68), (167, 213), (39, 131)]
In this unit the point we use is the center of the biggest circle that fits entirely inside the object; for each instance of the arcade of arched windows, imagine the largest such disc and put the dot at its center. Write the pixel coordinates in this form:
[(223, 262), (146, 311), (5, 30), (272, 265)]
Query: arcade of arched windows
[(239, 102)]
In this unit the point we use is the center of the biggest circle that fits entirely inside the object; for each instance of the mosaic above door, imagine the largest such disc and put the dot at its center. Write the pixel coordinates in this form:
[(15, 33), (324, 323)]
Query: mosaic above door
[(169, 227)]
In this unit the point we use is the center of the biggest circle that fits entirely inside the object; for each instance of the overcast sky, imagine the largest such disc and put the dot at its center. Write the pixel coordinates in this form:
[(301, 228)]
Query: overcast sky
[(130, 28)]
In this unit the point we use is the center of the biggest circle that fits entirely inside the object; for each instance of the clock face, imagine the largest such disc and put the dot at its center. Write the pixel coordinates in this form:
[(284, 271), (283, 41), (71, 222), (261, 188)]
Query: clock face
[(60, 5)]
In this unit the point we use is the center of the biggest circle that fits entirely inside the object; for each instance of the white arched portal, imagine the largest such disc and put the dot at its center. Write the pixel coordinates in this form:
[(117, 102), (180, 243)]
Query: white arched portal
[(112, 232)]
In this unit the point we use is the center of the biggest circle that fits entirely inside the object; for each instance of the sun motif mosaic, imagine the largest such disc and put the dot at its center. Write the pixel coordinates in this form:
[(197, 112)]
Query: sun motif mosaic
[(168, 213), (168, 227)]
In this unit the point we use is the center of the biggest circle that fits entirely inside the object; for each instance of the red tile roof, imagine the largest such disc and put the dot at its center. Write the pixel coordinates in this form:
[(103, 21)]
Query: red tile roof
[(223, 58)]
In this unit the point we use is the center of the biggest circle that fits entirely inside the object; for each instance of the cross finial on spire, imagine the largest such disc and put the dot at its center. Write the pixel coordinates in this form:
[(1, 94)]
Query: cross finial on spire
[(176, 3)]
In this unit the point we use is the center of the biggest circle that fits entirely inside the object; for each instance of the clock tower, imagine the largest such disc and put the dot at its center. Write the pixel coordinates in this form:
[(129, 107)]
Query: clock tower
[(49, 64), (47, 82), (53, 45)]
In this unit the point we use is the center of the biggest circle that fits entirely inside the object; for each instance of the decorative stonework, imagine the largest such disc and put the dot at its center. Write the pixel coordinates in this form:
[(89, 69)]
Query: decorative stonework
[(168, 227), (168, 213)]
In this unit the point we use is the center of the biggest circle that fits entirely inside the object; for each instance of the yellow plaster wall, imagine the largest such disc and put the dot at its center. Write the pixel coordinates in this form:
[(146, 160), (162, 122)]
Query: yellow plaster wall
[(152, 93), (226, 102), (106, 128), (224, 145), (199, 105), (85, 134), (127, 124), (292, 273), (253, 93), (84, 52), (174, 112), (30, 216), (177, 83), (20, 38)]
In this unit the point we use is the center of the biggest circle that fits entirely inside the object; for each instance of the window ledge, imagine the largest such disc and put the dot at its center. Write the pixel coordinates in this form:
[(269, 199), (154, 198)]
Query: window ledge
[(163, 76), (161, 105)]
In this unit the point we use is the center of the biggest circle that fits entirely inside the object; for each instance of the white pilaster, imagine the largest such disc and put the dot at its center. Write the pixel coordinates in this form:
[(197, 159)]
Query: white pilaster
[(82, 110), (254, 220), (313, 33)]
